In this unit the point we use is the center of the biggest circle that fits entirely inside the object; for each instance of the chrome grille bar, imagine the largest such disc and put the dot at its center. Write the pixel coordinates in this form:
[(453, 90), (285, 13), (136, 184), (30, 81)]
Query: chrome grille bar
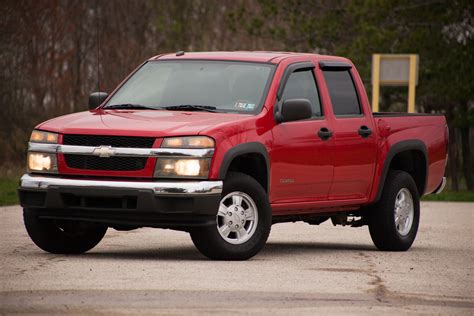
[(120, 152)]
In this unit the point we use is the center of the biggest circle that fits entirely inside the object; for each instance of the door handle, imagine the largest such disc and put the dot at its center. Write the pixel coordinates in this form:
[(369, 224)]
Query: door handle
[(364, 131), (324, 133)]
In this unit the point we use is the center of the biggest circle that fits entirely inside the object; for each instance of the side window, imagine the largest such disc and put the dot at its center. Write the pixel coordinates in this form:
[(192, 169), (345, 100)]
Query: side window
[(301, 85), (342, 92)]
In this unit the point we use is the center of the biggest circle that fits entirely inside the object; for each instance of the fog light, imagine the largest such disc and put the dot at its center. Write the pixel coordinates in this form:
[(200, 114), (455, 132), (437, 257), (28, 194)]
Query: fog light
[(42, 162)]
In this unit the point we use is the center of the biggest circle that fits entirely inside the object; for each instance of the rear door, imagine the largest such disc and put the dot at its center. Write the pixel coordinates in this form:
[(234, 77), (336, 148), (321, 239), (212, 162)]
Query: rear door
[(355, 145), (301, 161)]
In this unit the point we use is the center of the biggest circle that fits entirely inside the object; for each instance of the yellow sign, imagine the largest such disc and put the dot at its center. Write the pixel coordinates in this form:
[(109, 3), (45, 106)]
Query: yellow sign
[(394, 70)]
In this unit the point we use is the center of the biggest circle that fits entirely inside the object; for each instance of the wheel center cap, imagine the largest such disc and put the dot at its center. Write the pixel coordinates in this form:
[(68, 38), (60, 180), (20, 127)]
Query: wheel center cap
[(235, 217)]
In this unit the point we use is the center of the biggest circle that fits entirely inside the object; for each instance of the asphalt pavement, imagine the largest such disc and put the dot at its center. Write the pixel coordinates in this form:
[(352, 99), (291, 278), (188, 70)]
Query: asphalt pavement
[(303, 270)]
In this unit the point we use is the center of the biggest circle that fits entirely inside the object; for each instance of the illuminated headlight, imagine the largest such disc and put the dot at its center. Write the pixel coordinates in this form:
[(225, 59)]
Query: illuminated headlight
[(178, 167), (44, 137), (182, 168), (188, 142), (42, 162)]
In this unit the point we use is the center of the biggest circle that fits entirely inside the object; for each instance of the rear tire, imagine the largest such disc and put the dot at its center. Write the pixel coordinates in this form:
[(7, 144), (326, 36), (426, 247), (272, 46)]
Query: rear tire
[(393, 221), (243, 221), (62, 236)]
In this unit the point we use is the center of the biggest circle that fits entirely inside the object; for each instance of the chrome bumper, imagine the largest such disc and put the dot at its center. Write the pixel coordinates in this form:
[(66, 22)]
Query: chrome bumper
[(441, 186), (201, 188)]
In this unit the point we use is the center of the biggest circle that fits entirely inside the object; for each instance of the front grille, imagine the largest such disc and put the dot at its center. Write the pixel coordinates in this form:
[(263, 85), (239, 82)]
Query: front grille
[(99, 163), (114, 141), (111, 163)]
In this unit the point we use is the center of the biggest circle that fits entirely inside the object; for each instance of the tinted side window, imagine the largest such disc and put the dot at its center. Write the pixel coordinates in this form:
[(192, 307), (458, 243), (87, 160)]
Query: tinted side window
[(342, 92), (301, 85)]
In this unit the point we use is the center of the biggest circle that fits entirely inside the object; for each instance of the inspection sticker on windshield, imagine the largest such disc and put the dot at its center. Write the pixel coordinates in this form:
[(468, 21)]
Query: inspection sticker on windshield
[(245, 106)]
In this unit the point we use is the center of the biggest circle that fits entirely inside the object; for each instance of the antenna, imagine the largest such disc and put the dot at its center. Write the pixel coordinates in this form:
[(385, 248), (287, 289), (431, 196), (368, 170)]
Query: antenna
[(98, 43)]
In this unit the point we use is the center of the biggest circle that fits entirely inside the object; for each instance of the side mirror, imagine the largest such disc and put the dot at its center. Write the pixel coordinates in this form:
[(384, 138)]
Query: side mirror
[(96, 99), (294, 110)]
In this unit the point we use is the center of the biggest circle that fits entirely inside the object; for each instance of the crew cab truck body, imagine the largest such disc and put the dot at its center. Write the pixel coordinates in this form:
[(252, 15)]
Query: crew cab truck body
[(225, 144)]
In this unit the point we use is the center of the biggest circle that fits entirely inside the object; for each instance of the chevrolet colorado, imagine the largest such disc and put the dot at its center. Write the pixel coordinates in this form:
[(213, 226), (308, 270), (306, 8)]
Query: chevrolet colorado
[(225, 144)]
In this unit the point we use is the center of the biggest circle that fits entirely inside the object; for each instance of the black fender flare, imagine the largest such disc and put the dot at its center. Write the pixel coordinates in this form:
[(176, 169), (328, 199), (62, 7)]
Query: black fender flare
[(241, 149), (412, 144)]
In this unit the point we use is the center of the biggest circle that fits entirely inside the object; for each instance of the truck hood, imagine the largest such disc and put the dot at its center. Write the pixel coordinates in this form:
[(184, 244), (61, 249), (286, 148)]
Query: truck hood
[(148, 123)]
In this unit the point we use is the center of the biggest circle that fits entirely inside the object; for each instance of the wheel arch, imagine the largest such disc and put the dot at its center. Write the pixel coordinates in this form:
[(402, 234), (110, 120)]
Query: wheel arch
[(254, 156), (410, 156)]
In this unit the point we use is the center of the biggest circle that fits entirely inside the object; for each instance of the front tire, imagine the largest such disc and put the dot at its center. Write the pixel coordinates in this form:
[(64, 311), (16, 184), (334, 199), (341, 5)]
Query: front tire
[(393, 221), (243, 221), (62, 236)]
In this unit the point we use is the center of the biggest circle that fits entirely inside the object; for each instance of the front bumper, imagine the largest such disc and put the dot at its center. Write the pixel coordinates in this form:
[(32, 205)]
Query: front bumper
[(170, 204)]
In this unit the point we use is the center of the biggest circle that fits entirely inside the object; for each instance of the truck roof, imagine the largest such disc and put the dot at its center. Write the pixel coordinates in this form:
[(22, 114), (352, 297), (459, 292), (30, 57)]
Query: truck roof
[(253, 56)]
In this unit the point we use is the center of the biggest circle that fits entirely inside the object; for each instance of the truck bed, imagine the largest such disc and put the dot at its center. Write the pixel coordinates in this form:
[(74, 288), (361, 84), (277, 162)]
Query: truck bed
[(402, 114), (431, 129)]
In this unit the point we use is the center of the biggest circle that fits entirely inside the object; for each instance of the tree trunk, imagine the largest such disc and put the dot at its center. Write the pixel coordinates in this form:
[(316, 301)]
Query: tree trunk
[(466, 149), (466, 158), (452, 150)]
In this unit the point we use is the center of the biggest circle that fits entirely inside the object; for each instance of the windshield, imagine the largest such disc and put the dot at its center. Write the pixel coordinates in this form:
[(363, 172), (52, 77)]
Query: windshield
[(222, 86)]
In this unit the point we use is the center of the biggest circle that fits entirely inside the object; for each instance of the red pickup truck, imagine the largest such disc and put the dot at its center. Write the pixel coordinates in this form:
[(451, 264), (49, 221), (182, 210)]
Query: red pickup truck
[(225, 144)]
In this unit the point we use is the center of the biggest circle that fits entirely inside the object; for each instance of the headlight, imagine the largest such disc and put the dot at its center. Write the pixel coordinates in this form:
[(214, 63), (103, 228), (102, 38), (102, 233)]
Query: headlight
[(188, 142), (182, 167), (42, 162), (43, 137)]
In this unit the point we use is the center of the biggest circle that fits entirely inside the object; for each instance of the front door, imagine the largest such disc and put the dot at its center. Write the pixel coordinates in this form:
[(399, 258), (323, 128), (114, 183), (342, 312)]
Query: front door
[(301, 168)]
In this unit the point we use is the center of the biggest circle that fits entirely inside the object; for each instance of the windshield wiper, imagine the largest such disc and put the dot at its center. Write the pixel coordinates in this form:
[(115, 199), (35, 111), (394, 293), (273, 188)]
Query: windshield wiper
[(191, 107), (129, 106)]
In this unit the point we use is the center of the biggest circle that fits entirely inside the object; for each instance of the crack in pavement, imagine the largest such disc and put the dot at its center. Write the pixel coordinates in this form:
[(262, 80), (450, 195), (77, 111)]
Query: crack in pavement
[(379, 289), (84, 301)]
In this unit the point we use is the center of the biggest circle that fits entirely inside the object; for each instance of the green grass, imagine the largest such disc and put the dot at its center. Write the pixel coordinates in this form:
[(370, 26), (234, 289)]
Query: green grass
[(8, 194), (453, 196)]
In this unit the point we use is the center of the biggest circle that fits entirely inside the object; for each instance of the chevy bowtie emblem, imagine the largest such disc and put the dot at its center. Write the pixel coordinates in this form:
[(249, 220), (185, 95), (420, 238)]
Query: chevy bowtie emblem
[(104, 151)]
